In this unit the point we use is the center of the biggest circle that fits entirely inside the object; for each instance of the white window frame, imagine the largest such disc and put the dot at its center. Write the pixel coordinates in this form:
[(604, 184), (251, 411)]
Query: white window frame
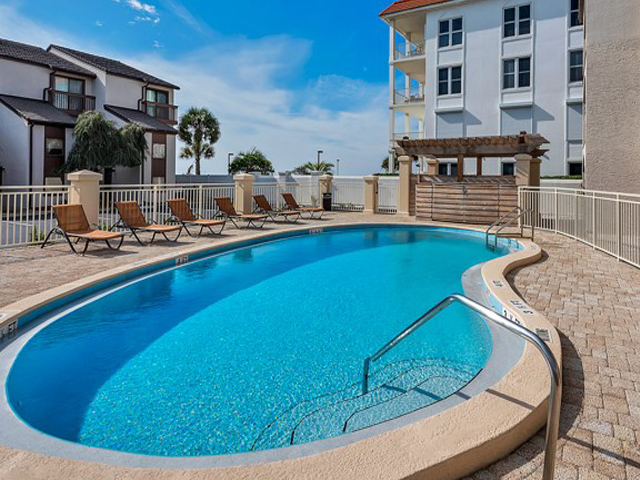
[(571, 12), (516, 74), (449, 34), (516, 21), (449, 81), (572, 67)]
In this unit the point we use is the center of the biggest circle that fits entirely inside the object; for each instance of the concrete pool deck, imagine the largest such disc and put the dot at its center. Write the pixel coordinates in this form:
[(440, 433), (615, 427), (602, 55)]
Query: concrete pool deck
[(595, 420)]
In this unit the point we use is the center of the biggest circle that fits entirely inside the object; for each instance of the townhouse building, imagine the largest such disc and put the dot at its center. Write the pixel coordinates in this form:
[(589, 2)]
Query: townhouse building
[(470, 68), (42, 92)]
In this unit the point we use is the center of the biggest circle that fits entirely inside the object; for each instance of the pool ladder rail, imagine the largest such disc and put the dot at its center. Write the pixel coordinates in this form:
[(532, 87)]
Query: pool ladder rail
[(508, 220), (555, 396)]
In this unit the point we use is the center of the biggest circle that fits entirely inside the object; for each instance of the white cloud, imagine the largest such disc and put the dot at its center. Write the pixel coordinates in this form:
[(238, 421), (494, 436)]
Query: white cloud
[(98, 23), (244, 83), (188, 18), (142, 7)]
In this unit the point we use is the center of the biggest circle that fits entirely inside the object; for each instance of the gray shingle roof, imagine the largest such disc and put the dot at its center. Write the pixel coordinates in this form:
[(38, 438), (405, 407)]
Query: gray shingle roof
[(37, 111), (114, 67), (140, 118), (39, 56)]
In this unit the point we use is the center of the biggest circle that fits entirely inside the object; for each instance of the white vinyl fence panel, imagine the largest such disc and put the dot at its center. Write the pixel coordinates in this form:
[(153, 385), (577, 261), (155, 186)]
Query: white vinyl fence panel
[(348, 194), (388, 194), (607, 221), (26, 215)]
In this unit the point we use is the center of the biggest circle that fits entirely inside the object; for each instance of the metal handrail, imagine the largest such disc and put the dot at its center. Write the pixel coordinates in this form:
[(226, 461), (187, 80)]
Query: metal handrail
[(555, 396), (511, 220)]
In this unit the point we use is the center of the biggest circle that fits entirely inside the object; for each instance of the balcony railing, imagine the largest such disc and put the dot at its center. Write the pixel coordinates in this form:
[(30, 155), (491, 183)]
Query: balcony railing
[(162, 111), (72, 103), (414, 97), (408, 135), (408, 50)]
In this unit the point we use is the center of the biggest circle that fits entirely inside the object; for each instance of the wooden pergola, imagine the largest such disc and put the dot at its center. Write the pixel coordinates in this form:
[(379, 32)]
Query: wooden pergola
[(503, 146)]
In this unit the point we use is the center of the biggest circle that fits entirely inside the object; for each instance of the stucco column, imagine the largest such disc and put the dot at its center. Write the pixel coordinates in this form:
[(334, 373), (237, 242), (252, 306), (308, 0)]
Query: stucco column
[(85, 190), (527, 170), (244, 193), (325, 184), (433, 165), (404, 185), (371, 194)]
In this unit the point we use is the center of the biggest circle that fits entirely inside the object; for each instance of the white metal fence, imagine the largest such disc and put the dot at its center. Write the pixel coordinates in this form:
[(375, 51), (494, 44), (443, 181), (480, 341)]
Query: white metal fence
[(153, 200), (25, 213), (388, 194), (607, 221), (348, 194)]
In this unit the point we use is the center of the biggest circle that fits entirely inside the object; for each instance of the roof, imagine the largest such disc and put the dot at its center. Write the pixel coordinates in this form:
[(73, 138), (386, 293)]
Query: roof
[(140, 118), (37, 111), (114, 67), (404, 5), (39, 56)]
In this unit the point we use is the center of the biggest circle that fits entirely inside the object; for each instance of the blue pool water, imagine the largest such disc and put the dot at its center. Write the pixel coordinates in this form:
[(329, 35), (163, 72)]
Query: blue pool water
[(258, 348)]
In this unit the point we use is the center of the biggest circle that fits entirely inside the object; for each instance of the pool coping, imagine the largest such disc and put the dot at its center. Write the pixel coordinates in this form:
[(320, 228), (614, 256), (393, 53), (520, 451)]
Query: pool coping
[(490, 425)]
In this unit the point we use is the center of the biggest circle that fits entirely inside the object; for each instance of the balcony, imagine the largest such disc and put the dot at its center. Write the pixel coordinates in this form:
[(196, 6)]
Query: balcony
[(72, 103), (408, 136), (161, 111), (412, 98), (408, 50)]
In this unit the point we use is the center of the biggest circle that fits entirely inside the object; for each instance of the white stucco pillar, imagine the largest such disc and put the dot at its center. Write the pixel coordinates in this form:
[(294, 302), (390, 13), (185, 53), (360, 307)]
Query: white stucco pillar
[(244, 193), (527, 170), (371, 194), (85, 190), (404, 185), (325, 182)]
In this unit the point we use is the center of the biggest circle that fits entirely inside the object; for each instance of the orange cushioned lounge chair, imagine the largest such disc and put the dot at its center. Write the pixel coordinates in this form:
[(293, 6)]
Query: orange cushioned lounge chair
[(289, 216), (132, 219), (227, 210), (293, 205), (182, 213), (73, 223)]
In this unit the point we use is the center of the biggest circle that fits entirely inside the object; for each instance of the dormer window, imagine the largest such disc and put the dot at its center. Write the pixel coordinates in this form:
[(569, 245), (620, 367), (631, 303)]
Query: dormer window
[(68, 94), (157, 96)]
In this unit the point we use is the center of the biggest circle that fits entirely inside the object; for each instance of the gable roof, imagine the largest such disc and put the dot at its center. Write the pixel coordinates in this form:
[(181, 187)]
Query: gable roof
[(140, 118), (36, 111), (404, 5), (114, 67), (39, 56)]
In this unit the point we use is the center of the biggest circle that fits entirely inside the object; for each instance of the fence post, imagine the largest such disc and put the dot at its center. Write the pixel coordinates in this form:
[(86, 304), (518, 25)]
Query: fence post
[(244, 193), (154, 215), (200, 201), (619, 225), (404, 185), (371, 194), (85, 190)]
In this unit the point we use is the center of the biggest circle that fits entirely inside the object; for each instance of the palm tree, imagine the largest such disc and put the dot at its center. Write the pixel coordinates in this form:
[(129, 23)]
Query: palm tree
[(312, 167), (199, 129)]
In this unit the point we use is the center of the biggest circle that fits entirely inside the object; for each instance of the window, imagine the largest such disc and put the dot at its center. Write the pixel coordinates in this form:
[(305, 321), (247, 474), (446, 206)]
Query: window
[(516, 73), (576, 66), (575, 169), (69, 85), (575, 13), (449, 81), (159, 150), (517, 21), (450, 33), (73, 88), (157, 96), (508, 169), (443, 169), (54, 147)]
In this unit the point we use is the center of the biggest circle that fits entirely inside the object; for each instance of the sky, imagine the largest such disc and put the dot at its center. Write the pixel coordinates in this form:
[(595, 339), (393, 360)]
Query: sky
[(289, 77)]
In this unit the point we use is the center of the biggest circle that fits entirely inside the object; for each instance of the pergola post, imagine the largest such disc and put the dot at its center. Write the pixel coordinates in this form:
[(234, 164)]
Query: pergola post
[(404, 184), (527, 170), (479, 166), (432, 166), (460, 167)]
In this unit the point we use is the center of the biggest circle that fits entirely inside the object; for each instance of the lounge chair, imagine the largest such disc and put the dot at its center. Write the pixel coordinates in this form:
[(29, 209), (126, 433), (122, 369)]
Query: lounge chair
[(132, 219), (73, 223), (293, 205), (289, 216), (228, 211), (183, 214)]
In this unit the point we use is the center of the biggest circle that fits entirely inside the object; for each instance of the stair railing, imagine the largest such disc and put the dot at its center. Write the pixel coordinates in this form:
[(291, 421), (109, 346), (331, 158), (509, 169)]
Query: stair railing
[(511, 219)]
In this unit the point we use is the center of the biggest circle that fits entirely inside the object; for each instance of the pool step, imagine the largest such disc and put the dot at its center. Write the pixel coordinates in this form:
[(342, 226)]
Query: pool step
[(395, 390)]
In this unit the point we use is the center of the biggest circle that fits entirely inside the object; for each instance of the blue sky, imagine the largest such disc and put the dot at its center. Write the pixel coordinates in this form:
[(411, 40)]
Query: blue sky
[(289, 77)]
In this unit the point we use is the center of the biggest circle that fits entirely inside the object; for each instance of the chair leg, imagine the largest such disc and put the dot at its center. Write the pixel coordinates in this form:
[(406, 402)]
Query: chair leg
[(137, 237), (51, 232), (184, 225), (116, 248), (86, 245), (73, 249)]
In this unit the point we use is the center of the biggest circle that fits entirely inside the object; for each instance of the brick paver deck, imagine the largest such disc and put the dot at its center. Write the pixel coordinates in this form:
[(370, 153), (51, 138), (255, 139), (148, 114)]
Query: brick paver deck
[(592, 299)]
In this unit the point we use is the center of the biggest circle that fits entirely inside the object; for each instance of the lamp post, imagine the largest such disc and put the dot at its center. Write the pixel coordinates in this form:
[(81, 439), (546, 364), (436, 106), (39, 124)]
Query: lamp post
[(338, 166), (229, 163), (320, 152)]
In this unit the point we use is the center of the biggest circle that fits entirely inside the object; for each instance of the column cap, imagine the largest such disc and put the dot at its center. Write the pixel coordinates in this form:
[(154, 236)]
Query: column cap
[(243, 176), (371, 178), (84, 176)]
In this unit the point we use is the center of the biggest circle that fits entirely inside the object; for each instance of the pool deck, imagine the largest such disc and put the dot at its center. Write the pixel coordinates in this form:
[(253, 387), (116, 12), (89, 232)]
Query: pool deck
[(592, 299)]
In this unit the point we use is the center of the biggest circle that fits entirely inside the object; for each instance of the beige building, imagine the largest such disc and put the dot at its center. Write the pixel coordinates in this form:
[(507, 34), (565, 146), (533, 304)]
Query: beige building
[(612, 95)]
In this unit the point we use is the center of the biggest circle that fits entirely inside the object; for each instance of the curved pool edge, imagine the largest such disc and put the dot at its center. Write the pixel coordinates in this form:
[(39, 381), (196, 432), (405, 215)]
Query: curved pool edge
[(460, 441)]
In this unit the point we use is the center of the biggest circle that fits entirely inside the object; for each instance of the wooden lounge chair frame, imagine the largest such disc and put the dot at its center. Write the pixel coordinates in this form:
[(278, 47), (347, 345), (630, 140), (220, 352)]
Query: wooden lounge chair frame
[(263, 206), (132, 219), (181, 212), (73, 224), (293, 205), (228, 211)]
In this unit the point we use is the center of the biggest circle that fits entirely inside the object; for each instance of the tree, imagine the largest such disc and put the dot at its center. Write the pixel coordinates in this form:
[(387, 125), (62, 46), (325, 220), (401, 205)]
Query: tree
[(385, 165), (100, 146), (251, 161), (199, 129), (311, 167)]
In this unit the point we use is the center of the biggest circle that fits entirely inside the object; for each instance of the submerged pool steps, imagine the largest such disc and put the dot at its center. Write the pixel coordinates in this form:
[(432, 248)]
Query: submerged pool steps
[(397, 389)]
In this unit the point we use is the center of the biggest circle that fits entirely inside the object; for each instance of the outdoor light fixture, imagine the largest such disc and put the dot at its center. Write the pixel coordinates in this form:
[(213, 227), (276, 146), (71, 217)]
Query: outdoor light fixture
[(320, 152)]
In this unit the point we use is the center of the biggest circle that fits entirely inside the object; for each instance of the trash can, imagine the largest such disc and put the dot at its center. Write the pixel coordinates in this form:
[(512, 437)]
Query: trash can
[(327, 201)]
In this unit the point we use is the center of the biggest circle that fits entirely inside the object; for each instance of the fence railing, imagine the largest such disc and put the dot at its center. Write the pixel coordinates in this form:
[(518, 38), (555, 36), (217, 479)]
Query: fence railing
[(153, 200), (388, 194), (26, 215), (348, 194), (607, 221)]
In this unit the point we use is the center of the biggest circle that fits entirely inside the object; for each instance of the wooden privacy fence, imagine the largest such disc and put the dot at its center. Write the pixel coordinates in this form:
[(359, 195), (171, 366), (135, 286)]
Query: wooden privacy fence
[(472, 203)]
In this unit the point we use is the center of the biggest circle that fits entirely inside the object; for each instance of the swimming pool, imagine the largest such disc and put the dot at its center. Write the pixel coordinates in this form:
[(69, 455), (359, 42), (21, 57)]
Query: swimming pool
[(257, 348)]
